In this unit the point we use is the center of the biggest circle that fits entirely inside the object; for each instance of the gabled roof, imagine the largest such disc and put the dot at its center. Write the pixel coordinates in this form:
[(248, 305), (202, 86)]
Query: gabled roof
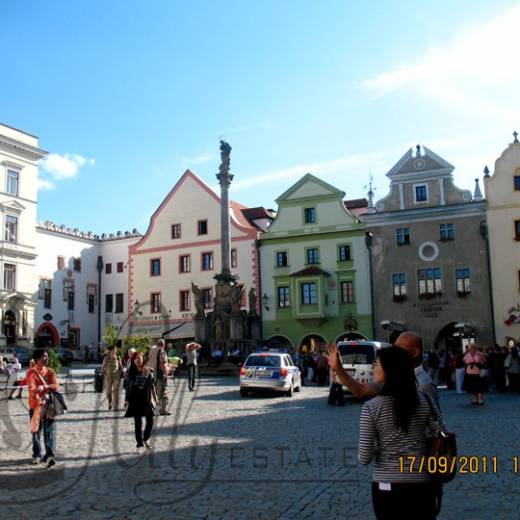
[(304, 180), (428, 161), (356, 203), (311, 271)]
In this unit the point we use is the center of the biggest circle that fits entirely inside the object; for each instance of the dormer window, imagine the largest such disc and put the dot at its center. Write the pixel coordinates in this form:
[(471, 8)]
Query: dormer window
[(421, 193)]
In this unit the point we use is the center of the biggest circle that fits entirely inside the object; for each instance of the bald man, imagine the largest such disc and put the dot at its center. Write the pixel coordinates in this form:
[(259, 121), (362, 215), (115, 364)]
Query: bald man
[(409, 341)]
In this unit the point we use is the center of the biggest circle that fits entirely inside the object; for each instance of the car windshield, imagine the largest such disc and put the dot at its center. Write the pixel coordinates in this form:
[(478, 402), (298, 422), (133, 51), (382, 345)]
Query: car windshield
[(357, 354), (263, 361)]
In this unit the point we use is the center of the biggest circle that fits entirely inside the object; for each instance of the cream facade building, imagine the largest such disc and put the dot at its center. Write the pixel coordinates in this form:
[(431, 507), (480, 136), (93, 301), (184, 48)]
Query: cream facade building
[(503, 222), (181, 247), (19, 156)]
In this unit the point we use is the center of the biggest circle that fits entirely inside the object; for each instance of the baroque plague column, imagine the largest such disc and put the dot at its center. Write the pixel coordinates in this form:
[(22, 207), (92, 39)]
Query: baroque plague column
[(228, 322)]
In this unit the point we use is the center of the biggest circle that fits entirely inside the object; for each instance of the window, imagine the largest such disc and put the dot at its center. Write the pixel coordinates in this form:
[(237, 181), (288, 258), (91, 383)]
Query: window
[(12, 182), (184, 264), (109, 302), (76, 263), (120, 305), (517, 229), (10, 277), (313, 255), (463, 281), (517, 182), (309, 215), (202, 227), (70, 300), (309, 293), (402, 236), (46, 293), (208, 298), (155, 267), (176, 231), (430, 282), (421, 193), (207, 261), (281, 259), (155, 303), (347, 292), (91, 303), (283, 297), (447, 232), (184, 303), (11, 228), (108, 268), (399, 285), (61, 263), (343, 253), (234, 258), (120, 267)]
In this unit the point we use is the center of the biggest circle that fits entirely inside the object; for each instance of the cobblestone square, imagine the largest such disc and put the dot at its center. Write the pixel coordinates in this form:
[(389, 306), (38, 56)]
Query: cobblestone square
[(222, 456)]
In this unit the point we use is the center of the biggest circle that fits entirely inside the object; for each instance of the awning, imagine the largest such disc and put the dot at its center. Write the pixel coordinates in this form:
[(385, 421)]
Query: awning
[(393, 325), (184, 330)]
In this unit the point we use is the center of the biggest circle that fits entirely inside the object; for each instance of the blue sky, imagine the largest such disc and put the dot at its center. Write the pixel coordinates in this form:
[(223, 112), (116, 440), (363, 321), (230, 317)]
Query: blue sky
[(128, 94)]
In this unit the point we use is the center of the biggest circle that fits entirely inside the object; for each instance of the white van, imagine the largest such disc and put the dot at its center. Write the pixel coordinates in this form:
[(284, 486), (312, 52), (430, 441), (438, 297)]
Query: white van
[(358, 358)]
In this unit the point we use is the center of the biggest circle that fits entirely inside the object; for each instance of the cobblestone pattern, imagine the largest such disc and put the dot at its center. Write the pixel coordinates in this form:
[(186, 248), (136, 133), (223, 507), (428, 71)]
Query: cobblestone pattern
[(222, 456)]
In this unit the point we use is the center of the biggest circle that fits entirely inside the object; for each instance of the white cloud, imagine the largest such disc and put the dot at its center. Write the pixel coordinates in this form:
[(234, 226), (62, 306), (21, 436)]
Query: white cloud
[(197, 159), (475, 72), (44, 184), (342, 172), (64, 166)]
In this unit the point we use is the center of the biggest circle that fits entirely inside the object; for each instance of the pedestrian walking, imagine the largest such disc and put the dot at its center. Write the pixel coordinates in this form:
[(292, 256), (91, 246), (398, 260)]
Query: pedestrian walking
[(142, 400), (127, 363), (433, 366), (40, 381), (513, 372), (192, 354), (158, 362), (393, 427), (112, 368), (459, 371), (474, 384), (321, 368)]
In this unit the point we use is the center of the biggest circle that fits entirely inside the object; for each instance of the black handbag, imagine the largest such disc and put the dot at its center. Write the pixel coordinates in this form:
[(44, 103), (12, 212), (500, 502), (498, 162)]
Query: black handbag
[(54, 405), (442, 445)]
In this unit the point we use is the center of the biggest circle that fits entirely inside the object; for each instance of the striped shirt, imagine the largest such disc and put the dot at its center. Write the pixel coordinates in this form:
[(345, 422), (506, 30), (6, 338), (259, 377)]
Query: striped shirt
[(380, 438)]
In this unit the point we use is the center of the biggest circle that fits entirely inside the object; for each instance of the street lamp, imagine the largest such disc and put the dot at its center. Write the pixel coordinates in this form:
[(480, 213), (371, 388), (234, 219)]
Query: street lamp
[(265, 301)]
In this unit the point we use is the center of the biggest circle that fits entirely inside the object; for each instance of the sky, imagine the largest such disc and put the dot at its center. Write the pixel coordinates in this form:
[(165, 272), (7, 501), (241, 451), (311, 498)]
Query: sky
[(126, 95)]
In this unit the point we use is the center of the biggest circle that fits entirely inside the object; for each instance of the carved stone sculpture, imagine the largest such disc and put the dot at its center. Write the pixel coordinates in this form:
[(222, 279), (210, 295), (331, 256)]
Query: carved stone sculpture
[(198, 298)]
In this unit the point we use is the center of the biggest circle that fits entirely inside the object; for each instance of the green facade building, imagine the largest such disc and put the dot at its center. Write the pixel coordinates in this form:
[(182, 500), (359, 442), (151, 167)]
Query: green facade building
[(315, 273)]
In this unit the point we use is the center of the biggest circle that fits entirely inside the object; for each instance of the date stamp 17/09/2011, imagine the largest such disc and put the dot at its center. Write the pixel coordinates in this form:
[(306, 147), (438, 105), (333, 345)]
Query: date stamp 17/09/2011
[(462, 464)]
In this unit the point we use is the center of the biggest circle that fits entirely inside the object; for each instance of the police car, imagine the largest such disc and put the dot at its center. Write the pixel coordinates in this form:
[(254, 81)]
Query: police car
[(270, 370)]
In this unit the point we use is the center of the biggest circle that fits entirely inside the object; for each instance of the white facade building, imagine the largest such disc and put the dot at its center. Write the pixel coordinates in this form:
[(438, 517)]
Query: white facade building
[(19, 156), (83, 285)]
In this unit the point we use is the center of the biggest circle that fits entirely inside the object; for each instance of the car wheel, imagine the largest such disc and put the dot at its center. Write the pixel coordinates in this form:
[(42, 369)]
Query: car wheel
[(243, 392), (289, 392)]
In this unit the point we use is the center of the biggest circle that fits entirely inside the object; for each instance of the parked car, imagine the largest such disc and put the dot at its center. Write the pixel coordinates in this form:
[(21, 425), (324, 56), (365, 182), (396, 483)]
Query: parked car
[(270, 371), (358, 359), (24, 354), (66, 356)]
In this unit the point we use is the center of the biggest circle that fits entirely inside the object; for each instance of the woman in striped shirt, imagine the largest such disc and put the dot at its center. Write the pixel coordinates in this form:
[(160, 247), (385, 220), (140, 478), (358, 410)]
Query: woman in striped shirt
[(393, 425)]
